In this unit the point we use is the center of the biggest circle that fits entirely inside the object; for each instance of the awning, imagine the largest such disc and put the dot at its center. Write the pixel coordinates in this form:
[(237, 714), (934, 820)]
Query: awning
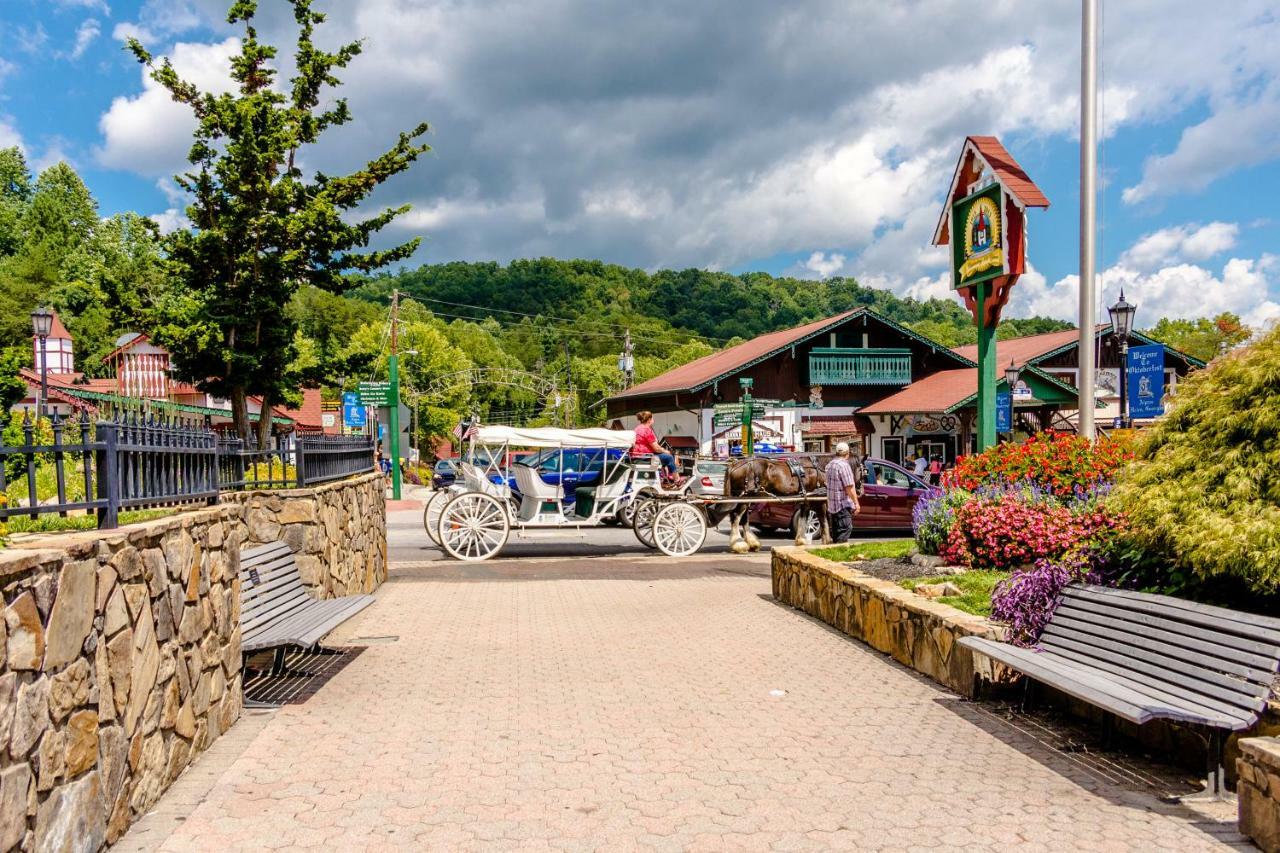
[(556, 437), (682, 441), (837, 425)]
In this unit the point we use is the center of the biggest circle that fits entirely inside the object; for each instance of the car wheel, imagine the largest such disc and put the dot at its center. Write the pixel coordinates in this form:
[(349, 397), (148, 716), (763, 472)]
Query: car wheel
[(807, 524)]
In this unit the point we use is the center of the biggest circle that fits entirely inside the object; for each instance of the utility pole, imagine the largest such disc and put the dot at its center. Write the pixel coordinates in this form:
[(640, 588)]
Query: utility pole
[(568, 372), (393, 398), (627, 363), (1088, 213)]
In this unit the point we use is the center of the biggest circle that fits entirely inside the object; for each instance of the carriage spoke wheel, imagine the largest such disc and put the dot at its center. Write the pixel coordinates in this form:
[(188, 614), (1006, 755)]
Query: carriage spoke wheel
[(431, 514), (474, 526), (679, 529), (642, 520)]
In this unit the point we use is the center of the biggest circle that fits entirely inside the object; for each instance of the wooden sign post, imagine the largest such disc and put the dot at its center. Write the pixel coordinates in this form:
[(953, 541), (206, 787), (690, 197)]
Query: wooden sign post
[(984, 222)]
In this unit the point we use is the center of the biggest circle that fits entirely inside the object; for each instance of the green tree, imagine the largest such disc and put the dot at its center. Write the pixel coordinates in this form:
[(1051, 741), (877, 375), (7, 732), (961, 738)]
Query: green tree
[(261, 229), (15, 194), (1202, 338), (1205, 495)]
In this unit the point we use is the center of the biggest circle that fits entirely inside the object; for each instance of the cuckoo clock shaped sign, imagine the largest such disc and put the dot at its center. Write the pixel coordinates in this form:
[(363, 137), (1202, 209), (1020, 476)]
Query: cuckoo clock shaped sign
[(984, 223)]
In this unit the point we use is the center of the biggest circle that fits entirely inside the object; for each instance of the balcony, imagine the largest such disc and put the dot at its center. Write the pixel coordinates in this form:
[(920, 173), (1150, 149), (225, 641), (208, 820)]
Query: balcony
[(847, 366)]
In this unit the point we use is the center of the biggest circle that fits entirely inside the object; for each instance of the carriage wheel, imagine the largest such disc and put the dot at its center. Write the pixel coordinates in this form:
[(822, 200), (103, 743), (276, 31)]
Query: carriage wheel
[(806, 524), (642, 520), (474, 526), (431, 514), (679, 529)]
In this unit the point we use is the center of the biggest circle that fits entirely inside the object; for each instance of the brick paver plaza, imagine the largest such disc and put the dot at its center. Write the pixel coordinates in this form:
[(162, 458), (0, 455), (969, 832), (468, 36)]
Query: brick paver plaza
[(665, 713)]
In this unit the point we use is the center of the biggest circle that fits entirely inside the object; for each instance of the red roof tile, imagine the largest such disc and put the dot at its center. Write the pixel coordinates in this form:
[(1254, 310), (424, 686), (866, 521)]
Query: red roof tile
[(1009, 172), (1022, 350), (837, 425), (309, 414), (707, 369), (933, 394)]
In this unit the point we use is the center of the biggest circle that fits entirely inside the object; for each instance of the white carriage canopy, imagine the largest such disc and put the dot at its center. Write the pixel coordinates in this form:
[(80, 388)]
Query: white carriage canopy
[(621, 439)]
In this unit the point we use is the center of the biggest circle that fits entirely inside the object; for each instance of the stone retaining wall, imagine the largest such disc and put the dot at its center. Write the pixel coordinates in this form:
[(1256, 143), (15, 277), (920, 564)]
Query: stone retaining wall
[(1259, 791), (120, 650), (916, 631), (338, 532)]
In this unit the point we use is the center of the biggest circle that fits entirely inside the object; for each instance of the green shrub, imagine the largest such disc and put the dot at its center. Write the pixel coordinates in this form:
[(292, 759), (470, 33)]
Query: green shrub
[(1205, 493)]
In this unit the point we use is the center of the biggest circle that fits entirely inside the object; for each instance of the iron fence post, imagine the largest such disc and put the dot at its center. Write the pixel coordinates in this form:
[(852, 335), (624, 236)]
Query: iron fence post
[(300, 471), (109, 475)]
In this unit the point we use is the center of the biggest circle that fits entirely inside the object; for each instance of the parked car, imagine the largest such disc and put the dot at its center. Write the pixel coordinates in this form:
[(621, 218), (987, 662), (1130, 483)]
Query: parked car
[(444, 473), (581, 466), (708, 477), (888, 499)]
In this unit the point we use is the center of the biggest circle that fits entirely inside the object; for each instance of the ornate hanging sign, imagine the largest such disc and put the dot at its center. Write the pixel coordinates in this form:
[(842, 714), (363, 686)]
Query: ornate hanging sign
[(981, 254)]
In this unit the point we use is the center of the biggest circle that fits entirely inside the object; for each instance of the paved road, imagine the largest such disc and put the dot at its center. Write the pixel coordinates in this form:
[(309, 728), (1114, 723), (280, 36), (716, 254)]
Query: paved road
[(624, 703)]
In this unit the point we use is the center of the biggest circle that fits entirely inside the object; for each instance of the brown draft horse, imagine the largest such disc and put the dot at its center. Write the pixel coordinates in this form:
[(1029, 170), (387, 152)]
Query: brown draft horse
[(766, 477)]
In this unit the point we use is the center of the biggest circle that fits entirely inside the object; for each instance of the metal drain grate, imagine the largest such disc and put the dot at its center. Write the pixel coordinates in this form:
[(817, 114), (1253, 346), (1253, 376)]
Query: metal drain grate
[(305, 673)]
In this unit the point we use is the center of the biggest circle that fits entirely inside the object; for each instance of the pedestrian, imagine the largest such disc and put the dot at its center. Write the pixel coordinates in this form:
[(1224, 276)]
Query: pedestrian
[(935, 470), (842, 495), (921, 463)]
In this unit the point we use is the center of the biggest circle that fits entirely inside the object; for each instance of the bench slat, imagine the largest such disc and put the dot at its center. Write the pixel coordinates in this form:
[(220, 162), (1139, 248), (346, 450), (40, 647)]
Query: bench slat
[(1265, 628), (1113, 630), (1076, 605), (1089, 687), (1169, 669), (1138, 644)]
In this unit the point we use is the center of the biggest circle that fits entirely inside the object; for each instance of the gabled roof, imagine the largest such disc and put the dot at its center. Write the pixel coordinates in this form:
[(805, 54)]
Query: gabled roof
[(1032, 349), (990, 151), (700, 373), (947, 391)]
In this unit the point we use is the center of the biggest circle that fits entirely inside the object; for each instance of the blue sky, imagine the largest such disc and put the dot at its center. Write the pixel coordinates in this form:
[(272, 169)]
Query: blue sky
[(731, 134)]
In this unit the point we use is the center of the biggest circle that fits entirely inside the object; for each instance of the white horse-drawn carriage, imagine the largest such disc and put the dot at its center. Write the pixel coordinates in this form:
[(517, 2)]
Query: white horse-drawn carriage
[(498, 494)]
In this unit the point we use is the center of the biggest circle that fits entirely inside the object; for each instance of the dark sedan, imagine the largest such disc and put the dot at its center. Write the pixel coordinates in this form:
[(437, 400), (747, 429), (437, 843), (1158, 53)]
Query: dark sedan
[(444, 473), (888, 498)]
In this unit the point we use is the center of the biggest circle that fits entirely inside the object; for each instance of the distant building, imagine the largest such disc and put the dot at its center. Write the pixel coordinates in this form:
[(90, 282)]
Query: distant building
[(862, 378)]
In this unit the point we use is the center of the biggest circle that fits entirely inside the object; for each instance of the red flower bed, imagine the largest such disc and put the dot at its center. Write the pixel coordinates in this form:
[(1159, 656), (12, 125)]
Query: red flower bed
[(1056, 462), (1003, 533)]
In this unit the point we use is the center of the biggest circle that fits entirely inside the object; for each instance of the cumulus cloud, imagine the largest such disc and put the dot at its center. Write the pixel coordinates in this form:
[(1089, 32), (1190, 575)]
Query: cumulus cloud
[(10, 136), (822, 265), (655, 134), (1181, 242), (149, 133), (160, 19), (92, 5)]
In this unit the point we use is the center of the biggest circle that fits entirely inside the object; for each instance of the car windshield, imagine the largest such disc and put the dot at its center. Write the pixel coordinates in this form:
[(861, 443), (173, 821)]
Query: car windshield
[(445, 465)]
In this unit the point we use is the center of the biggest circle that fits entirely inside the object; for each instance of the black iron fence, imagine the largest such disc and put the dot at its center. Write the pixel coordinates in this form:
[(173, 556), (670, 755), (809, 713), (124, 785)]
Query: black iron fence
[(61, 467)]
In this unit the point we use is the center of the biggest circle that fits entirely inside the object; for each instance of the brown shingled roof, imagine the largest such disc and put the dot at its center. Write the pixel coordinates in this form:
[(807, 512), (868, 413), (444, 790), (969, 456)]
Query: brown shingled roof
[(934, 394), (1002, 164), (703, 371)]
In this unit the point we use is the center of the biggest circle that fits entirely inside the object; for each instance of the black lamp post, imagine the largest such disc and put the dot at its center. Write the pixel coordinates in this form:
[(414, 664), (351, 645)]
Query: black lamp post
[(1121, 325), (42, 324), (1011, 374)]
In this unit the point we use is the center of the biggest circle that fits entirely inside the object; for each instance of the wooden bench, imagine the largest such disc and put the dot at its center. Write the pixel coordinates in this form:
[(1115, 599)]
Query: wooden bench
[(1148, 657), (276, 611)]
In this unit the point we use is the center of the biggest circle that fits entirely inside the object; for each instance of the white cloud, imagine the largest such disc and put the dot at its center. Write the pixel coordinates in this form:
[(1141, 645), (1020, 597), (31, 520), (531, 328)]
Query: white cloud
[(822, 265), (1179, 243), (172, 219), (1181, 290), (86, 33), (150, 133), (92, 5), (10, 136), (158, 20)]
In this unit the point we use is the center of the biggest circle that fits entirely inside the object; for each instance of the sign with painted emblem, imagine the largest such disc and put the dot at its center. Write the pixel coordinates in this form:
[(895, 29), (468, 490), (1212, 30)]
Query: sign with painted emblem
[(1146, 381), (353, 411), (979, 251)]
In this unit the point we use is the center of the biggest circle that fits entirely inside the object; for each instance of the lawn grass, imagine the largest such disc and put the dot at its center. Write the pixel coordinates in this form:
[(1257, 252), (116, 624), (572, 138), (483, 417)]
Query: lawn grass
[(56, 523), (977, 586), (867, 550)]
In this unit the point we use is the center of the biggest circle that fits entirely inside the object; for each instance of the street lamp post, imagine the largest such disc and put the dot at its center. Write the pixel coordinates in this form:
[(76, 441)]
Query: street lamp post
[(1011, 374), (1121, 325), (42, 324)]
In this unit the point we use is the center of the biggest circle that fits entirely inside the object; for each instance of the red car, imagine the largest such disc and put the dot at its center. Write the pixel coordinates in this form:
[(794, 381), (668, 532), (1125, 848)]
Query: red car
[(888, 499)]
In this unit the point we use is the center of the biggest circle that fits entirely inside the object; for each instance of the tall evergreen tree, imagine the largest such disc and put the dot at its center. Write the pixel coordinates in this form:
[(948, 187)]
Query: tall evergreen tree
[(261, 229)]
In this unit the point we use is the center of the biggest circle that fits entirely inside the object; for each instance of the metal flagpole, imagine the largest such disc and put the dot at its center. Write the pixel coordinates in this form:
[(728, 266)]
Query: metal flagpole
[(1088, 212)]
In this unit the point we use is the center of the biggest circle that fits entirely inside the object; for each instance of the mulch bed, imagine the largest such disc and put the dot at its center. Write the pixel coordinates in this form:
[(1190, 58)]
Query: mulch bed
[(894, 569)]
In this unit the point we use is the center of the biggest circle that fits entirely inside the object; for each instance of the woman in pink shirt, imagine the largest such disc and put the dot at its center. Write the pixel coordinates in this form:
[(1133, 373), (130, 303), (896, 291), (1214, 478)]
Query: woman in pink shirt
[(647, 445)]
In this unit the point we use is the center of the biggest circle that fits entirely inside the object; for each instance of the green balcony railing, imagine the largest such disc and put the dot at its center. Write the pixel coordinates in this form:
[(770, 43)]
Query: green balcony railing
[(847, 366)]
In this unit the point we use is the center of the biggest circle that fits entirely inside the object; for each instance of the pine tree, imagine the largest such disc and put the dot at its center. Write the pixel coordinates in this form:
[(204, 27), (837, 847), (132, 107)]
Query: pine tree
[(261, 229)]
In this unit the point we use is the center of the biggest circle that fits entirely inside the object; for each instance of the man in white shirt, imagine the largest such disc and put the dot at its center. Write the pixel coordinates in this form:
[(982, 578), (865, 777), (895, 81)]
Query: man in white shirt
[(921, 464)]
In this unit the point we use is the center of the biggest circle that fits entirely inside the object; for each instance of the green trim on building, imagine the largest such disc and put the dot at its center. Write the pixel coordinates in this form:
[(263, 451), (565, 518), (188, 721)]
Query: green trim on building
[(165, 405)]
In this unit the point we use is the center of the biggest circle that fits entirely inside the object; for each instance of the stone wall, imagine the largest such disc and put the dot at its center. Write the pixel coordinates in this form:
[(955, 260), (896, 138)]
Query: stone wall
[(338, 532), (916, 631), (120, 650), (1259, 791), (121, 663)]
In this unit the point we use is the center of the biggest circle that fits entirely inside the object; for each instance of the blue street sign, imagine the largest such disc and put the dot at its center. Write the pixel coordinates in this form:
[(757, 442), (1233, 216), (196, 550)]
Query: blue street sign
[(1146, 381), (1004, 411), (353, 412)]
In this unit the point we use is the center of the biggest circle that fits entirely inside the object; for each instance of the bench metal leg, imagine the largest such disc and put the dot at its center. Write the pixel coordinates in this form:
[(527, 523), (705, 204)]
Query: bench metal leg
[(1215, 786)]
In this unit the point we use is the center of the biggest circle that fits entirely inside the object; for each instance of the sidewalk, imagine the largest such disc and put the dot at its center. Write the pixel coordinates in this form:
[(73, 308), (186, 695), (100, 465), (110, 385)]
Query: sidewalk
[(639, 714)]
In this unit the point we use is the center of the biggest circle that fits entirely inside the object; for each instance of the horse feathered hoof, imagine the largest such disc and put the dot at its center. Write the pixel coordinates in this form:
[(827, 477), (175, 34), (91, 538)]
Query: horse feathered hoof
[(752, 542), (739, 546)]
